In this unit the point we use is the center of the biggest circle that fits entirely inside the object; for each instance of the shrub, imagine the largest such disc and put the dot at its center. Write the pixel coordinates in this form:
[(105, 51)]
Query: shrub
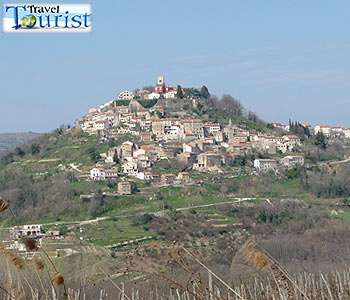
[(148, 103), (143, 219)]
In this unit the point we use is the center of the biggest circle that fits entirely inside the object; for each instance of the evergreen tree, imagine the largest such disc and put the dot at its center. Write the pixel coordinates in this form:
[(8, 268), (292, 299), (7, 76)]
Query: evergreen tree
[(116, 158), (95, 156), (320, 140), (34, 149), (179, 93), (19, 151), (204, 92)]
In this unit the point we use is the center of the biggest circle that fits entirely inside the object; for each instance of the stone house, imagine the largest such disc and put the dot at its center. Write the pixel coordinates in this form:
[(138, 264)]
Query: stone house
[(124, 188), (290, 161), (264, 165), (206, 160)]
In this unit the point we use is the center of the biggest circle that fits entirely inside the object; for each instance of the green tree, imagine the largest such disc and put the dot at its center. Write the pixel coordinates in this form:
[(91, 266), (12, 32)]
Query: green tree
[(159, 196), (7, 159), (134, 188), (320, 140), (293, 173), (179, 93), (19, 151), (116, 158), (204, 92), (240, 161), (192, 92), (95, 156), (302, 131), (34, 148)]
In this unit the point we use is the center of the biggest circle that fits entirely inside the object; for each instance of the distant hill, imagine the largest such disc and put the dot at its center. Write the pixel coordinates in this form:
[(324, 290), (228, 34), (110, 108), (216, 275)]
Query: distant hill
[(9, 141)]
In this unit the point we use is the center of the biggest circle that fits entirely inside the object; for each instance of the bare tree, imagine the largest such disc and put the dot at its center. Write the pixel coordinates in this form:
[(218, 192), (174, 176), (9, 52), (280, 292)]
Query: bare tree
[(230, 104)]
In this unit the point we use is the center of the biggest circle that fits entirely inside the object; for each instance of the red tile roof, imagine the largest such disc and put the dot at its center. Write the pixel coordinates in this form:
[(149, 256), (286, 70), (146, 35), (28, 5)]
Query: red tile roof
[(212, 124), (192, 121), (292, 136)]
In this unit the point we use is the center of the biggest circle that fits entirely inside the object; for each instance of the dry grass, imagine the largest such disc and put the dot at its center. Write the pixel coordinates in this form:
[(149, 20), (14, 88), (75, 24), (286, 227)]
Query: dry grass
[(185, 274), (57, 278), (3, 205), (39, 265)]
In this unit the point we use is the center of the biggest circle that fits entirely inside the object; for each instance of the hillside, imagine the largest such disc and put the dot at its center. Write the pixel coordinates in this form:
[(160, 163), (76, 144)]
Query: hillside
[(205, 194), (9, 141)]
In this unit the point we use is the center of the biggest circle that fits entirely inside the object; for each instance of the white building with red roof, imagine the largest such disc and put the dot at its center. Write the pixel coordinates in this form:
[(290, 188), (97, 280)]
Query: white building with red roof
[(145, 175), (292, 141), (92, 110), (212, 127), (280, 126), (325, 129), (346, 132), (189, 148), (97, 174), (101, 125), (336, 131)]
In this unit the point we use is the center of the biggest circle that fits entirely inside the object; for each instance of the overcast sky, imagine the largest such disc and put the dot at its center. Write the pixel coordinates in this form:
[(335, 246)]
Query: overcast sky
[(281, 59)]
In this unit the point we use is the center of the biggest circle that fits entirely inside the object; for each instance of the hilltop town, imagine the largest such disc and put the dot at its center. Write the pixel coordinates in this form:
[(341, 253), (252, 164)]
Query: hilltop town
[(145, 143), (161, 128)]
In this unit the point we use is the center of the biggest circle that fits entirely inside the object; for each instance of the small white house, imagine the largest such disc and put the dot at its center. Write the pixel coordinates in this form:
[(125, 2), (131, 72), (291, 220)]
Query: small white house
[(265, 164), (125, 95), (170, 95), (187, 148), (27, 230), (173, 132), (346, 132), (101, 125), (292, 160), (190, 148), (152, 96), (145, 176), (292, 140), (100, 174), (212, 127), (109, 160), (97, 174), (130, 167), (139, 152), (336, 131)]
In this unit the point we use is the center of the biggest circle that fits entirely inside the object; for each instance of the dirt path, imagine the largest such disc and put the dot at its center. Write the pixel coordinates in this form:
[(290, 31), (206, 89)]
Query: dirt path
[(158, 213), (49, 160)]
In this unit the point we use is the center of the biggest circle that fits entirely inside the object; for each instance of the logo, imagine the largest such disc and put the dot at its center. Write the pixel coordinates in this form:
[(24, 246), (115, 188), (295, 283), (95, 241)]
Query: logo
[(32, 18)]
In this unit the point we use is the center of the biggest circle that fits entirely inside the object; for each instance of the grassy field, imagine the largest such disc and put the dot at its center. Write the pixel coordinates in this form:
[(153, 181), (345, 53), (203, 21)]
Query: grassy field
[(66, 150), (113, 231)]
